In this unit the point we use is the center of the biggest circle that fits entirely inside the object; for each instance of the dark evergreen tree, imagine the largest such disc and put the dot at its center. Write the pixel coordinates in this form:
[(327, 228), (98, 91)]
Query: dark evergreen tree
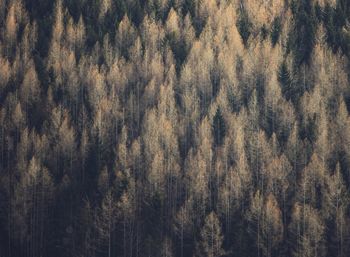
[(275, 30), (285, 81), (244, 26), (219, 128), (302, 36)]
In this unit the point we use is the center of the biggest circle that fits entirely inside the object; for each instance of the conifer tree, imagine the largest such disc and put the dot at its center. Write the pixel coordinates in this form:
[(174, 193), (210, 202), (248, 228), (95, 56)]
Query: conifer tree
[(211, 238), (219, 128)]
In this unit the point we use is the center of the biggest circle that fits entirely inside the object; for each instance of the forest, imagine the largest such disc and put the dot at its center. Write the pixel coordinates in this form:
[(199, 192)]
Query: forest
[(174, 128)]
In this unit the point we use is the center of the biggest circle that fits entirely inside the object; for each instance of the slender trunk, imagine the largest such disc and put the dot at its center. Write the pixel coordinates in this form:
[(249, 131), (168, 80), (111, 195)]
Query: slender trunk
[(109, 239), (182, 237)]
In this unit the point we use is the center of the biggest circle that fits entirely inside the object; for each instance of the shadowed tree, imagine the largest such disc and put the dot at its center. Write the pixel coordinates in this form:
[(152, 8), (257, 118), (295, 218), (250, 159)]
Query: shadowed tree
[(219, 128), (211, 238), (306, 232)]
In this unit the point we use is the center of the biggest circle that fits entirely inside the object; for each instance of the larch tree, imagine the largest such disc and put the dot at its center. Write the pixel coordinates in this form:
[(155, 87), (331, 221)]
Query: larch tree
[(157, 176), (265, 219), (342, 136), (2, 8), (306, 232), (122, 151), (32, 196), (237, 181), (105, 6), (18, 118), (272, 230), (23, 150), (127, 214), (30, 89), (200, 60), (324, 146), (152, 35), (67, 144), (313, 184), (125, 36), (197, 184), (210, 243), (70, 33), (262, 13), (28, 42), (173, 24), (80, 35), (278, 181), (167, 248), (11, 26), (294, 150), (184, 226), (328, 69), (188, 33), (55, 52), (105, 223), (62, 141), (5, 73), (103, 181), (338, 198), (104, 130), (231, 198)]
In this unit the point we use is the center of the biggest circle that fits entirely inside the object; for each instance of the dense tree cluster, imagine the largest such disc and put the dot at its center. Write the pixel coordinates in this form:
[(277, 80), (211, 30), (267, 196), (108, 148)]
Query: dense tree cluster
[(201, 128)]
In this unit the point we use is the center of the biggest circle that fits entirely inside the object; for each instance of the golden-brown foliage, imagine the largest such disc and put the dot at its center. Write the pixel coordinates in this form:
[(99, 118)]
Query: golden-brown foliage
[(129, 124)]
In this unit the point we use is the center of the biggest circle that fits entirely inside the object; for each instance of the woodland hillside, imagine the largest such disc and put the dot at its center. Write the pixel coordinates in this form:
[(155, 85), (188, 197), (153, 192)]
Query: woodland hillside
[(174, 128)]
